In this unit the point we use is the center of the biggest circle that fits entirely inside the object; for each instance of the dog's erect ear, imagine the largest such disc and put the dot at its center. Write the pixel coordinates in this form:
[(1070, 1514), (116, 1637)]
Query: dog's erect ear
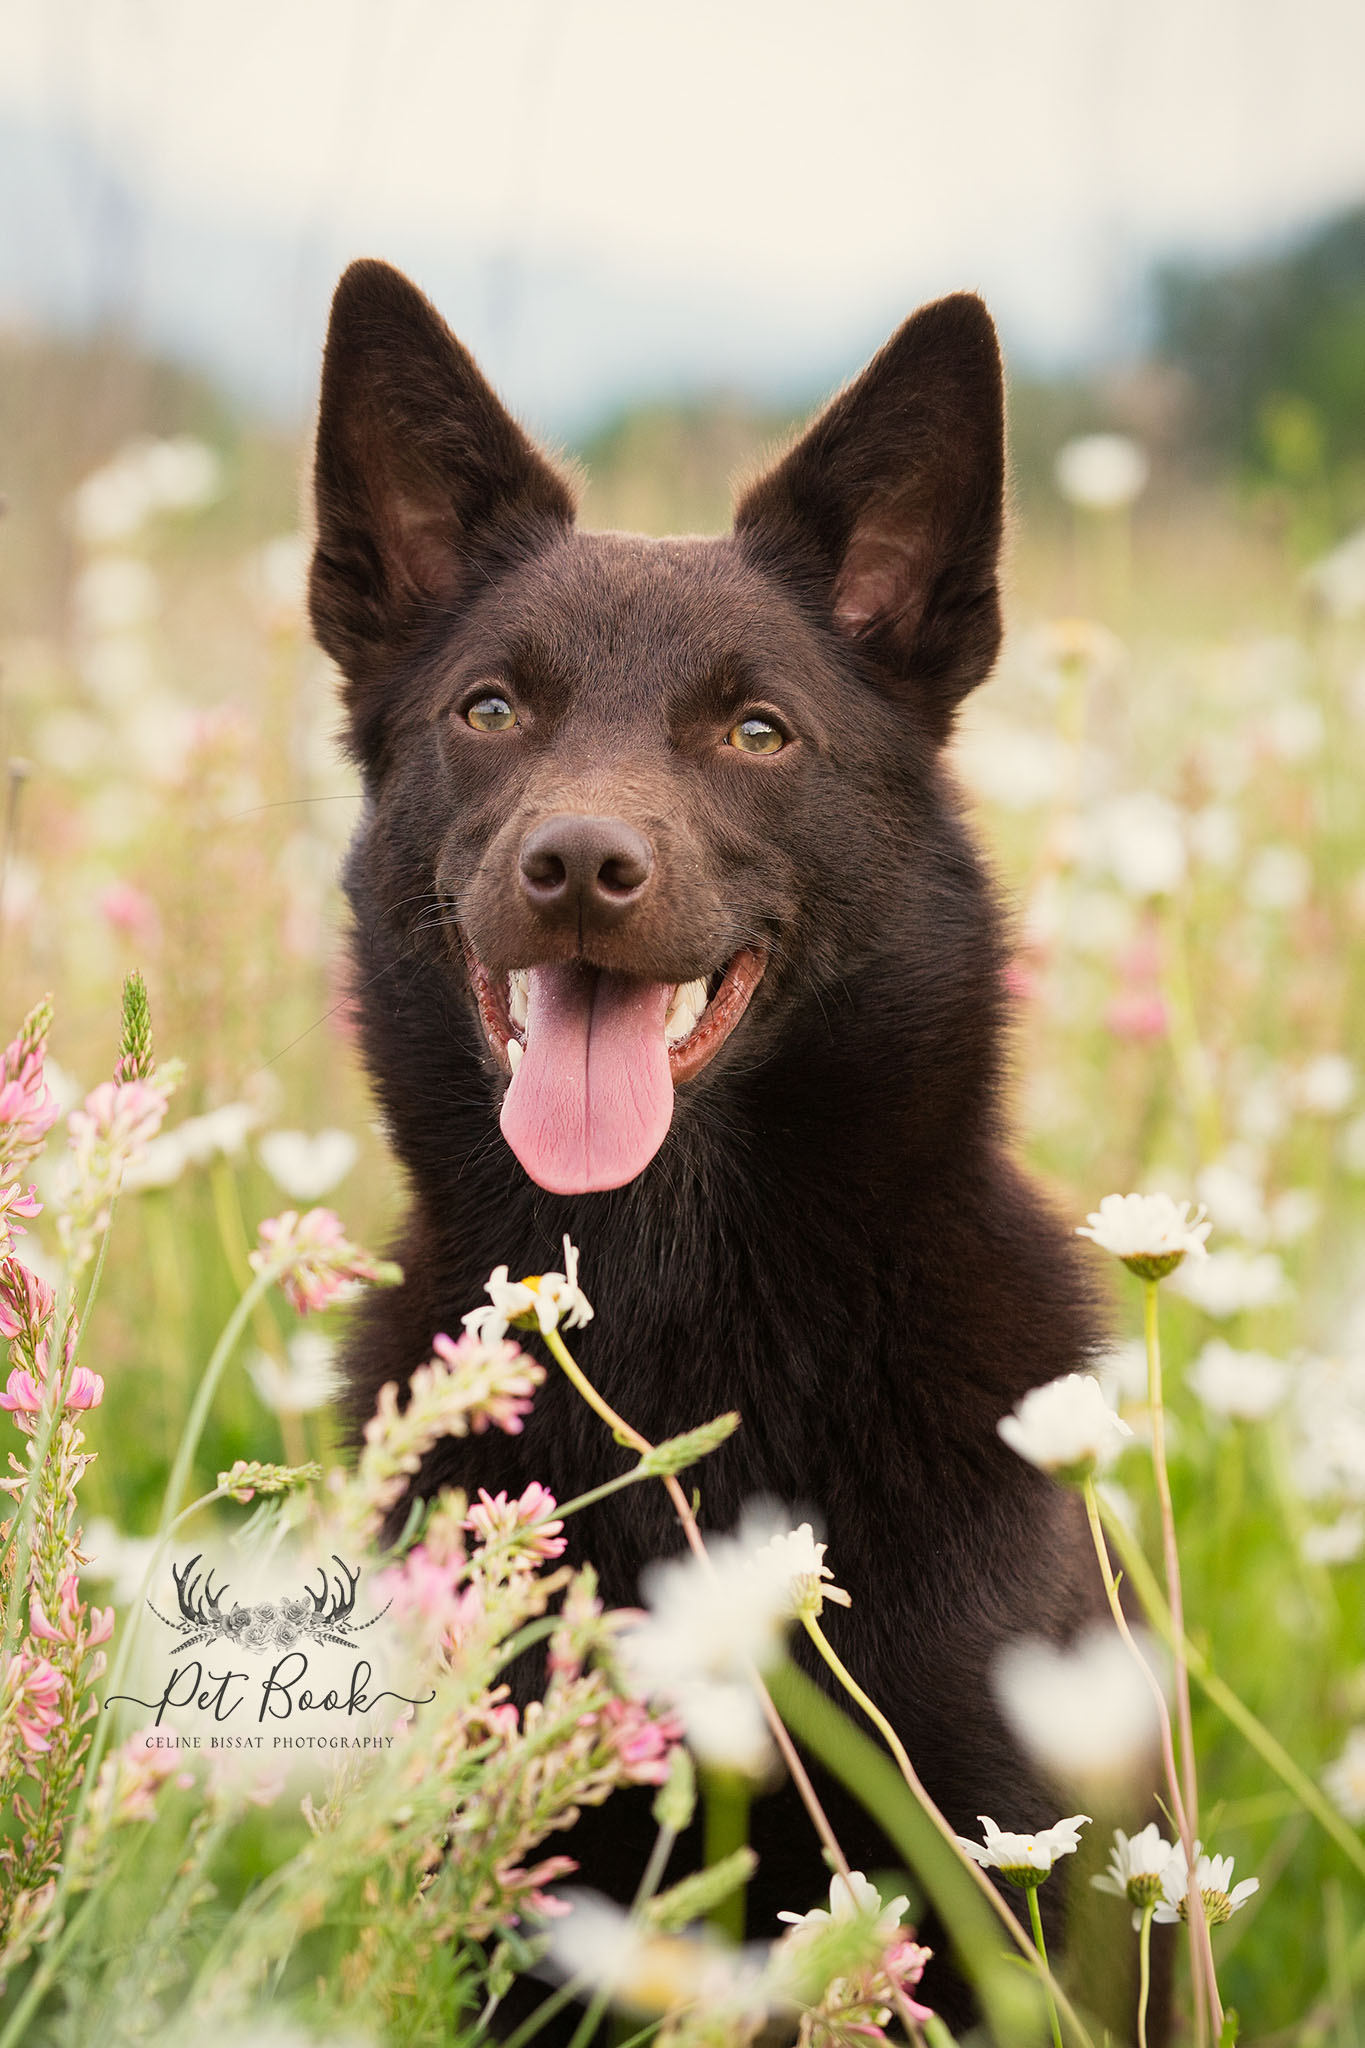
[(887, 512), (423, 482)]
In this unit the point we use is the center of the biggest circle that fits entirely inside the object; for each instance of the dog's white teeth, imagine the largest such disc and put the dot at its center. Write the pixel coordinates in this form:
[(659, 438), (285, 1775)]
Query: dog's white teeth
[(515, 1049), (518, 996), (689, 1000)]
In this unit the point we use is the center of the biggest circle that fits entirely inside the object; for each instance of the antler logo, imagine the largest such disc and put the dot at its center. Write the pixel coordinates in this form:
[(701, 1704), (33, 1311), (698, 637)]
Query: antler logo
[(318, 1617)]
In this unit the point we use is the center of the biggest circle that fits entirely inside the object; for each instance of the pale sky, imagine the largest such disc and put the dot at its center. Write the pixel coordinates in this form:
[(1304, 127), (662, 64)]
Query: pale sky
[(818, 166)]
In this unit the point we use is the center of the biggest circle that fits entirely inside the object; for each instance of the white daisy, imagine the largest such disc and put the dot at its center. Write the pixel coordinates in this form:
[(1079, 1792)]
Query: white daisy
[(1066, 1427), (1150, 1233), (798, 1559), (1137, 1865), (541, 1301), (1212, 1876), (1231, 1281), (1024, 1860)]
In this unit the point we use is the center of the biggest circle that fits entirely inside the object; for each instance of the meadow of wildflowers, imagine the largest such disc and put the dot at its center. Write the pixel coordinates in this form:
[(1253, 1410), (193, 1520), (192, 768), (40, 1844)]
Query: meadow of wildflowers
[(1169, 770)]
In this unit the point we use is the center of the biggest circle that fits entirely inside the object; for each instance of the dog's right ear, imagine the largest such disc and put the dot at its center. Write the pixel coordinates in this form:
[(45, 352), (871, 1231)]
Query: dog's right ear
[(424, 484)]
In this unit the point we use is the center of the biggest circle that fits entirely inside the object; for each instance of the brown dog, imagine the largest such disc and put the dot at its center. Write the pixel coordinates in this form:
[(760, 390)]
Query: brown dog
[(669, 934)]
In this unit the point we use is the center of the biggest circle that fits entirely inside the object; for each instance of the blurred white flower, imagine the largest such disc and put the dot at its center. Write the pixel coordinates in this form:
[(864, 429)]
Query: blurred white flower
[(1326, 1086), (117, 669), (724, 1725), (219, 1134), (1101, 472), (1213, 1876), (1328, 1457), (1086, 1713), (598, 1943), (1010, 765), (1227, 1283), (1066, 1427), (1025, 1860), (116, 593), (1344, 1779), (1263, 1112), (1339, 1542), (116, 1560), (852, 1898), (1139, 838), (1294, 1214), (1337, 580), (1137, 1865), (157, 735), (1215, 836), (110, 505), (1230, 1190), (180, 475), (307, 1168), (1296, 729), (308, 1382), (1246, 1384), (1122, 1371), (1279, 878), (276, 577), (1151, 1233)]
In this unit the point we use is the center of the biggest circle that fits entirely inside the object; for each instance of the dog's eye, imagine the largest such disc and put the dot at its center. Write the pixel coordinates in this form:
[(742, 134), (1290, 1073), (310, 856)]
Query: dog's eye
[(756, 736), (491, 714)]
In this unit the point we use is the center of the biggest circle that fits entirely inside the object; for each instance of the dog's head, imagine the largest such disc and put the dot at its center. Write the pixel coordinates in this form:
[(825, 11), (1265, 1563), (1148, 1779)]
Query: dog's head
[(648, 797)]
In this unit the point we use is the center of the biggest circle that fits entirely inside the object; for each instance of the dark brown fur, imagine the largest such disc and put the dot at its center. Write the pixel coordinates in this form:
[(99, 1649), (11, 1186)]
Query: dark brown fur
[(833, 1238)]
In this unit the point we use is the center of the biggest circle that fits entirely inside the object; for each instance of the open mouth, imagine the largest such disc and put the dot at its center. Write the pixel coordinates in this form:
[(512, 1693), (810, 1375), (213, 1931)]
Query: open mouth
[(594, 1057)]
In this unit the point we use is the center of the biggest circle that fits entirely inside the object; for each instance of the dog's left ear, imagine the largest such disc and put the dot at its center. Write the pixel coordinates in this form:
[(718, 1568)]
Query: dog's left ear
[(887, 513)]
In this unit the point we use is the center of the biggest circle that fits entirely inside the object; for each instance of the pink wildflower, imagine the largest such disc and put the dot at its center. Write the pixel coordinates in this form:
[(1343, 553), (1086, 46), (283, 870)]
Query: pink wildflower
[(314, 1260), (116, 1124), (523, 1526), (1137, 1013), (34, 1691), (128, 909), (902, 1966), (15, 1202), (28, 1109), (1020, 980), (422, 1588), (642, 1742), (71, 1616), (23, 1394), (504, 1376), (26, 1302), (86, 1389)]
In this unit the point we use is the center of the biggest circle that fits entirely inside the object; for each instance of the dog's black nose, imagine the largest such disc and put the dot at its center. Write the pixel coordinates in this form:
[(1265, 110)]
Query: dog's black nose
[(583, 867)]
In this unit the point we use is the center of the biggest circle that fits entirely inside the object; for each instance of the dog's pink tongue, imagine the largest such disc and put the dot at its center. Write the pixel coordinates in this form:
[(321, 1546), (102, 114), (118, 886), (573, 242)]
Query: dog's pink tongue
[(592, 1098)]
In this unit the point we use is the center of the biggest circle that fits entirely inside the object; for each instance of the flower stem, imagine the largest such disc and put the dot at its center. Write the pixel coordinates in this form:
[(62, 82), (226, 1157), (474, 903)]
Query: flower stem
[(1169, 1546), (624, 1434), (1201, 1954), (649, 1884), (1291, 1774), (1144, 1973), (1200, 1946), (726, 1798), (1036, 1919), (907, 1770)]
